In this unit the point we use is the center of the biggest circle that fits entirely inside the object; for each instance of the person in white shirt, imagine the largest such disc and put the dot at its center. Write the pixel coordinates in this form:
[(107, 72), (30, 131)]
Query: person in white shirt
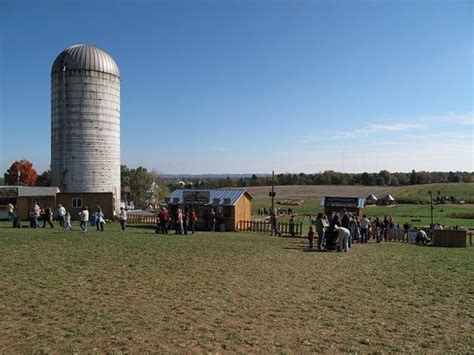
[(84, 214), (364, 228), (61, 214), (343, 235), (123, 218)]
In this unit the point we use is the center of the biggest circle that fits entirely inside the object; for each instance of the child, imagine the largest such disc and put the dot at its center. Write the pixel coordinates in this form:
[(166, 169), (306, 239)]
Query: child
[(67, 222), (379, 233), (311, 234), (123, 218)]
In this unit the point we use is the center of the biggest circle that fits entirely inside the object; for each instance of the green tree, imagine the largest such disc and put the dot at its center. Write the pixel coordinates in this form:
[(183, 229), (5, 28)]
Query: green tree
[(136, 183), (413, 178), (44, 179), (385, 175)]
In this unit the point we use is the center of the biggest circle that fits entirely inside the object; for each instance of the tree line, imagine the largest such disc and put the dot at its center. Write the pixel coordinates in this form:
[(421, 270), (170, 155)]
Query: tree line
[(330, 177), (145, 187)]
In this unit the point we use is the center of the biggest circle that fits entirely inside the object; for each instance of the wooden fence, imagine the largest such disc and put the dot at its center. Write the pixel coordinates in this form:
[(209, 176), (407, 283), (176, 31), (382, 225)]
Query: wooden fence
[(141, 219), (265, 227)]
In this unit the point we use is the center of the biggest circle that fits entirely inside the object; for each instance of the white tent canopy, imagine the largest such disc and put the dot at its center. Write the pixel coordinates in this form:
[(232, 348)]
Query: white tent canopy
[(371, 197), (389, 198)]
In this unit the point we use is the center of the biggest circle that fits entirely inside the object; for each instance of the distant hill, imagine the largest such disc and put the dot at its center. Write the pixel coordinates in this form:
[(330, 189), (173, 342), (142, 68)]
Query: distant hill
[(404, 194), (420, 193)]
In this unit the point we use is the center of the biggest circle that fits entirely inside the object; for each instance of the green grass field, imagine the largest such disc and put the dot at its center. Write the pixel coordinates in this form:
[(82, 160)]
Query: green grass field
[(449, 215), (64, 292)]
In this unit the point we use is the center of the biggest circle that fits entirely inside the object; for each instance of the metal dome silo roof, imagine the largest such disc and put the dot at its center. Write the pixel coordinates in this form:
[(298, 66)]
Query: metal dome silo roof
[(87, 57)]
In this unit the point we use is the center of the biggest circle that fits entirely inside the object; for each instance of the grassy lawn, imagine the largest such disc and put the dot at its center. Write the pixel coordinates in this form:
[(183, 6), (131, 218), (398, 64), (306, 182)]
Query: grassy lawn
[(235, 292), (449, 215)]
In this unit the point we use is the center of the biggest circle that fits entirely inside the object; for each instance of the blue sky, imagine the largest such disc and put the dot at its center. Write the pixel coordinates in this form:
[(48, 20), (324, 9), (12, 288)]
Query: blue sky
[(255, 86)]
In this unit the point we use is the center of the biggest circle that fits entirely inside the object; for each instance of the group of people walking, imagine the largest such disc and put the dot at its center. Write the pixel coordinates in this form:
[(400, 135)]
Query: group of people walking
[(47, 215)]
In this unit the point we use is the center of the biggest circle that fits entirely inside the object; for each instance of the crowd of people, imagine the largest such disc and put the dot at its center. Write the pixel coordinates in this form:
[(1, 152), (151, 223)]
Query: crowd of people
[(184, 220), (47, 216), (336, 231), (339, 231)]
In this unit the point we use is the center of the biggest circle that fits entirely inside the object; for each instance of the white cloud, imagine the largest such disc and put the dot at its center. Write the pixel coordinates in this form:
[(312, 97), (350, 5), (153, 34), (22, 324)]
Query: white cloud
[(397, 126), (466, 118)]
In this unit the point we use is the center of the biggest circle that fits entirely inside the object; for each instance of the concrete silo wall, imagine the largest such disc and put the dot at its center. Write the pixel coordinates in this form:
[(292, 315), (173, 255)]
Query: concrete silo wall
[(85, 131)]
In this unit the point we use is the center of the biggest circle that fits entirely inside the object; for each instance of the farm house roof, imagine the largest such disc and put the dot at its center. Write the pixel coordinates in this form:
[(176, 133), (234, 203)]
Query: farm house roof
[(28, 191), (226, 197)]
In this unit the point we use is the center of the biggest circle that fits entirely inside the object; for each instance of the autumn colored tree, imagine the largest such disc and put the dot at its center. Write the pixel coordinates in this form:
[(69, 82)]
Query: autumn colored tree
[(21, 173)]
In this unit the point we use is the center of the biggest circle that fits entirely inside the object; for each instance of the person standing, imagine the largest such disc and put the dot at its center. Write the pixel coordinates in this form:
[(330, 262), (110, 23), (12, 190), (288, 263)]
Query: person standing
[(185, 221), (179, 222), (67, 222), (10, 208), (60, 214), (48, 216), (36, 215), (213, 220), (84, 215), (321, 226), (164, 218), (291, 224), (274, 225), (123, 218), (311, 235), (364, 229), (99, 219), (192, 220)]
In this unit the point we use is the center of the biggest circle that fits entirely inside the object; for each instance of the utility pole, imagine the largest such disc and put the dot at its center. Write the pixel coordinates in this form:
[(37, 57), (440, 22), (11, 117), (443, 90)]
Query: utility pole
[(431, 207), (272, 193)]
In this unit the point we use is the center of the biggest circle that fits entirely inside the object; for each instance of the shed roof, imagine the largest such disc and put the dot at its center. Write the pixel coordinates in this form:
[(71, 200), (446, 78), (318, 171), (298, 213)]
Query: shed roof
[(224, 195), (372, 197), (32, 191)]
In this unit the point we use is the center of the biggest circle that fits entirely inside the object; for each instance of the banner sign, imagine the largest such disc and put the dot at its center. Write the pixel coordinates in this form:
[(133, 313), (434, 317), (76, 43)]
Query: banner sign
[(341, 202), (191, 196)]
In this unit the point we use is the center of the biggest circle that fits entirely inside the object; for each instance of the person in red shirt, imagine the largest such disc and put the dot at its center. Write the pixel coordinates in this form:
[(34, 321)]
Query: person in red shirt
[(192, 220), (164, 218)]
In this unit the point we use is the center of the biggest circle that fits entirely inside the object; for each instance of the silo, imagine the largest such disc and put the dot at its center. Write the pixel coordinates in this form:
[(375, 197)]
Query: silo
[(85, 121)]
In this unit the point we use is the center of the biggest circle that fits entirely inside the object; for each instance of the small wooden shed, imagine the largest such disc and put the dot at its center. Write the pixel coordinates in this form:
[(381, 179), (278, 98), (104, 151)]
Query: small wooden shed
[(231, 205), (24, 198)]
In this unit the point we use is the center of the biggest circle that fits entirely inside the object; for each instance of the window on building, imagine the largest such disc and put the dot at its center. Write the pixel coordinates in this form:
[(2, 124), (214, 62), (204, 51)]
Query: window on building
[(77, 202)]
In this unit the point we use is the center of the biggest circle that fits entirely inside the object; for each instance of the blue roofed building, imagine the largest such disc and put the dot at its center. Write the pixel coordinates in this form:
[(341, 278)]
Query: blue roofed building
[(230, 205)]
